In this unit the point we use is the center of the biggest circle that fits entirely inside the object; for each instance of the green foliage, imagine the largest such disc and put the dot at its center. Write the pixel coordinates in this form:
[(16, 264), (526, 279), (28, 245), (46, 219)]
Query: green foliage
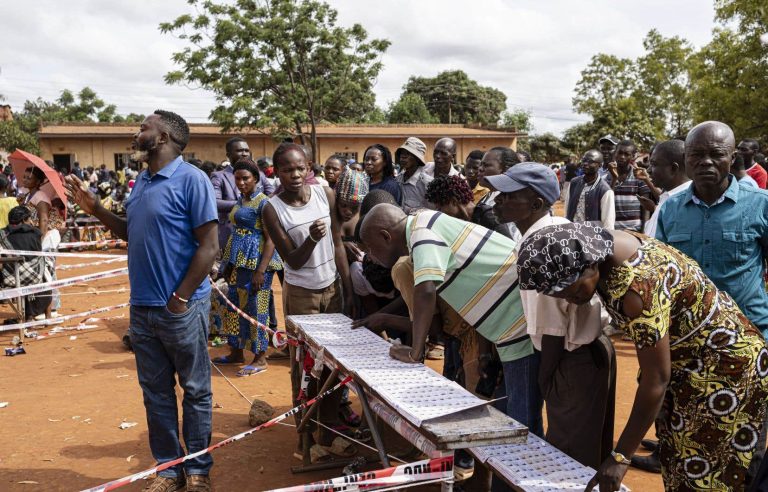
[(730, 73), (455, 98), (410, 108), (671, 87), (519, 119), (278, 64), (86, 106), (13, 137), (547, 148)]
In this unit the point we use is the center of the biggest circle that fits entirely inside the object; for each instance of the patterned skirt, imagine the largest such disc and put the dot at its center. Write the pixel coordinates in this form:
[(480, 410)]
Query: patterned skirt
[(255, 302)]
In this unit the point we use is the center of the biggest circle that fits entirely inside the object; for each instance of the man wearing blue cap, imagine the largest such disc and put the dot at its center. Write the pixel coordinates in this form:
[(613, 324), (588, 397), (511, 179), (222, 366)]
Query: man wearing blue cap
[(577, 371)]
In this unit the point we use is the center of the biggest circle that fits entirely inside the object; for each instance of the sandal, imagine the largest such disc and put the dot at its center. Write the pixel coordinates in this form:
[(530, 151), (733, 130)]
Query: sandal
[(318, 454), (224, 359), (250, 371), (341, 447)]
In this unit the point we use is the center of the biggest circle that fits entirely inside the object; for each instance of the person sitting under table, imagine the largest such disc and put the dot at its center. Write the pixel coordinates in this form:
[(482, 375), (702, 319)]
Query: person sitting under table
[(702, 362), (251, 261)]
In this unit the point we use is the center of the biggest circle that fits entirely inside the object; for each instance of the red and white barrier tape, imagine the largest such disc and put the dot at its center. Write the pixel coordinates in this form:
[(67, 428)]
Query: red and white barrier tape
[(99, 244), (279, 338), (93, 263), (419, 471), (57, 284), (138, 476), (61, 319), (14, 252)]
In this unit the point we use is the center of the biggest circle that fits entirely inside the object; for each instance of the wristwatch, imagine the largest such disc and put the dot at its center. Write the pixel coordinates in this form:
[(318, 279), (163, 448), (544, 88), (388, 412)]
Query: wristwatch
[(620, 458)]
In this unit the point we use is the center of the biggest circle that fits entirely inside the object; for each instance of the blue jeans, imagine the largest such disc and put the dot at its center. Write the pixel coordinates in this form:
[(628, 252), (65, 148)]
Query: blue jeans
[(166, 344), (521, 385)]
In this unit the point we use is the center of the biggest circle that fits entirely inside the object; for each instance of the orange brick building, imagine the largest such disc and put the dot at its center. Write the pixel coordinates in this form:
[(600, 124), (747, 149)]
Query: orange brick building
[(110, 144)]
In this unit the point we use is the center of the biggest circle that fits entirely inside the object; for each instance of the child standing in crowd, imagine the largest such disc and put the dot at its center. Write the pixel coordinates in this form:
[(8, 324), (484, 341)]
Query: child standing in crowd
[(351, 188), (251, 261), (334, 166)]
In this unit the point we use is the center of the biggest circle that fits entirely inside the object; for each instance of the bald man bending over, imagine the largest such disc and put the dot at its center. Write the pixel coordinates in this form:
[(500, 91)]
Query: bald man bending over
[(473, 270)]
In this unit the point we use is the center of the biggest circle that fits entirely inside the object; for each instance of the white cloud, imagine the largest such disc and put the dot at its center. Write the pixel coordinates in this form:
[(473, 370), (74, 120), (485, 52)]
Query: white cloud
[(531, 50)]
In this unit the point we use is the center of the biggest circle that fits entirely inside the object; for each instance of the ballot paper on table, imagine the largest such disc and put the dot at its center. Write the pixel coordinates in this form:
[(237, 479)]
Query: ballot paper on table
[(416, 391), (537, 466)]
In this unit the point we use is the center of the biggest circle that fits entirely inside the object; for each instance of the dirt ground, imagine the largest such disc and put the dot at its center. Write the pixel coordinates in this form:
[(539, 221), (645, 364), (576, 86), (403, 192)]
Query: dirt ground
[(67, 399)]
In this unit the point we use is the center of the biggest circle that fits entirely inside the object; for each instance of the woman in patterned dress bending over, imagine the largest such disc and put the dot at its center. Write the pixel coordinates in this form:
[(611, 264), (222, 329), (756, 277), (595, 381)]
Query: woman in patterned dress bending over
[(251, 261), (701, 360)]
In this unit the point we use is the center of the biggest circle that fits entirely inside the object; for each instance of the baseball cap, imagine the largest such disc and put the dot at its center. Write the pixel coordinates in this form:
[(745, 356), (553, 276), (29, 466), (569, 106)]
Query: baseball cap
[(608, 138), (539, 177)]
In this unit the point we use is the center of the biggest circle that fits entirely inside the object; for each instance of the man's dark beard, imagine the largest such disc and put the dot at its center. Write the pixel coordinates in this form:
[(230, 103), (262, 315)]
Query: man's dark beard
[(141, 155)]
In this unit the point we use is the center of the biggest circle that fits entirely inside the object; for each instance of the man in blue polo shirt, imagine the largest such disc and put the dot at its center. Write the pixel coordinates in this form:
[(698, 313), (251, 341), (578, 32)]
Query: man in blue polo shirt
[(171, 229)]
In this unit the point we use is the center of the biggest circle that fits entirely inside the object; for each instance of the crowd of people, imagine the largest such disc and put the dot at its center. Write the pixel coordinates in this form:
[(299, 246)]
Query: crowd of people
[(463, 262)]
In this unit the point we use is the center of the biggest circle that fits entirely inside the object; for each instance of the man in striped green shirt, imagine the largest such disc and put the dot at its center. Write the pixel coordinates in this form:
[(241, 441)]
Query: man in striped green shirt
[(472, 269)]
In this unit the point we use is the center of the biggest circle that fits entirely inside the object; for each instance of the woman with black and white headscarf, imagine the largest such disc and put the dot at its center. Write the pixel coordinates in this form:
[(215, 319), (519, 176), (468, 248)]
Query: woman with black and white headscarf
[(701, 360)]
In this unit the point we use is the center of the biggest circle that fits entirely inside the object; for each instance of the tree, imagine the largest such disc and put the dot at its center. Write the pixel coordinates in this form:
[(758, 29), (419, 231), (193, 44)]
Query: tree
[(546, 148), (86, 106), (410, 108), (519, 119), (730, 73), (646, 99), (455, 98), (13, 137), (277, 64), (665, 86)]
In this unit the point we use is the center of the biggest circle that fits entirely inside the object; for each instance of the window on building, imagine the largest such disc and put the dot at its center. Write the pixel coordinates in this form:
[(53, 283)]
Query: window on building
[(348, 155), (121, 161), (63, 162)]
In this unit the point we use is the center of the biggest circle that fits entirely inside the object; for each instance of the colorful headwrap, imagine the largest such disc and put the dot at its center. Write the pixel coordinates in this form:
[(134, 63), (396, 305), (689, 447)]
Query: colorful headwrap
[(352, 186), (554, 257)]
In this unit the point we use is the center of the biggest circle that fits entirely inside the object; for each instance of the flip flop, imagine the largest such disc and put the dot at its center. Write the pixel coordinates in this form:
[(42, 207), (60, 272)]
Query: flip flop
[(224, 359), (250, 371), (317, 454)]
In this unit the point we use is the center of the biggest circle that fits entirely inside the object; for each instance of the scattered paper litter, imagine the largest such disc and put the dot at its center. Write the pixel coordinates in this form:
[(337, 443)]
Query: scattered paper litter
[(75, 417), (87, 420), (128, 459), (54, 420), (123, 375), (75, 375), (29, 482), (128, 425), (3, 404), (261, 469), (73, 337)]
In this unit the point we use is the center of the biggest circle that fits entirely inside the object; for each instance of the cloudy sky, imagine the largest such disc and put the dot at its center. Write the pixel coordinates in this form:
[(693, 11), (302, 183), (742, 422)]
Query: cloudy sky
[(532, 50)]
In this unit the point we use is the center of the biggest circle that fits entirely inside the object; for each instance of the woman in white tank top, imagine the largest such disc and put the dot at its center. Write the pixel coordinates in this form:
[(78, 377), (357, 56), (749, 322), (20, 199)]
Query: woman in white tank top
[(307, 236)]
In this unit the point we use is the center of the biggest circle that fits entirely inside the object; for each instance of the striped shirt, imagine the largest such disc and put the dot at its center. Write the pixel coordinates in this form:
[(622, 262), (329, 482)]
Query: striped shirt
[(629, 212), (476, 273)]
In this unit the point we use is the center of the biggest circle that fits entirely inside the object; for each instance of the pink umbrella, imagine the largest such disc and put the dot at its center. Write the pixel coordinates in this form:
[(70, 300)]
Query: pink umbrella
[(21, 160)]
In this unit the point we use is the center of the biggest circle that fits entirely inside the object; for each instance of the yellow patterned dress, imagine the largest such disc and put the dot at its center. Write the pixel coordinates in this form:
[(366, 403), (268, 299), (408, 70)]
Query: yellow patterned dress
[(243, 252), (713, 408)]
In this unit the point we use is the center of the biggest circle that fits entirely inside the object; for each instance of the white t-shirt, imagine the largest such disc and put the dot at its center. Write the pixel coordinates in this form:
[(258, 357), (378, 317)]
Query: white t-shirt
[(650, 226)]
